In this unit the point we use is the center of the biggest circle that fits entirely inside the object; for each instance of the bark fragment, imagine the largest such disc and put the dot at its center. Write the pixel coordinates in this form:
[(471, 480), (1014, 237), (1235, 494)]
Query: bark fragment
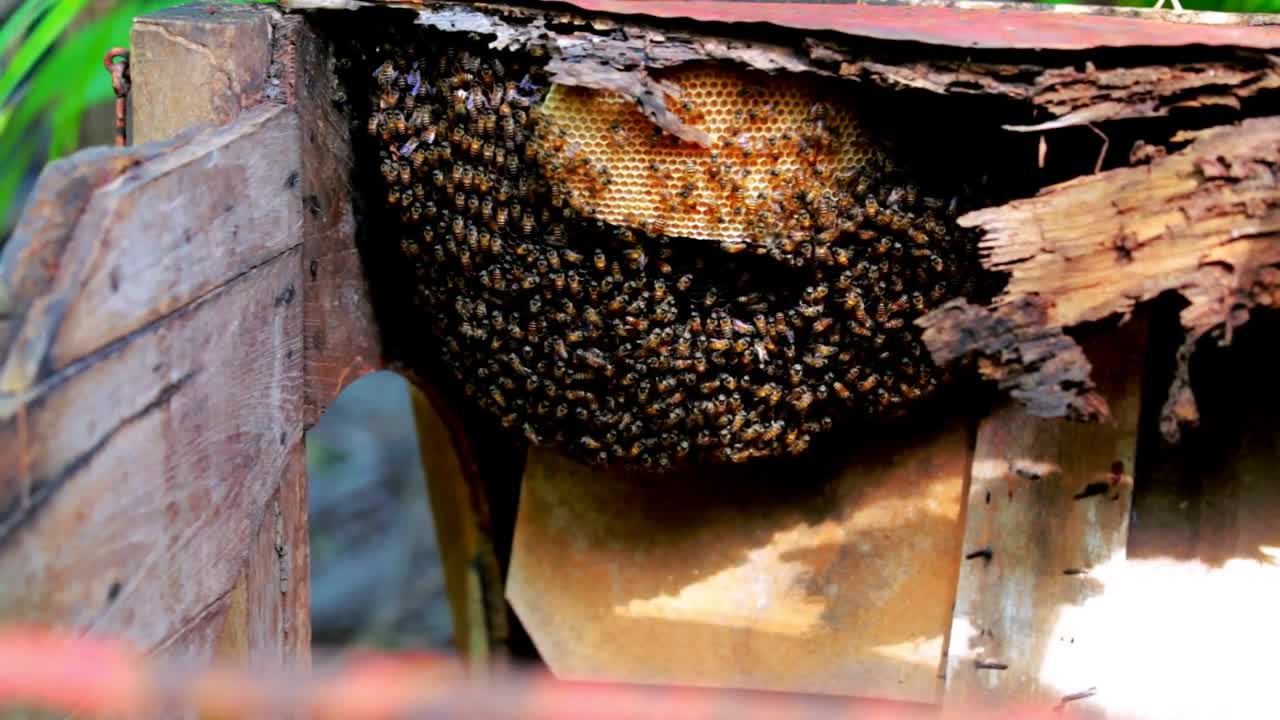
[(1203, 222)]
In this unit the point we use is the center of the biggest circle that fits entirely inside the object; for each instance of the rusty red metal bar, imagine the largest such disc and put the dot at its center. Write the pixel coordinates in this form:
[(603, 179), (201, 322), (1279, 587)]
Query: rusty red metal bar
[(95, 677), (116, 61), (996, 25)]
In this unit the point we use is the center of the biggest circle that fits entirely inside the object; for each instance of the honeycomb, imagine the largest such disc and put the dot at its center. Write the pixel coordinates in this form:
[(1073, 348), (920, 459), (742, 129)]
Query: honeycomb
[(537, 248), (768, 134)]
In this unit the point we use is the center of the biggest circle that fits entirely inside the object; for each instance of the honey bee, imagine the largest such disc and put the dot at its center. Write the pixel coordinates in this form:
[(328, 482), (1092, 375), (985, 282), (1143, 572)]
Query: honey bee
[(869, 383), (771, 433)]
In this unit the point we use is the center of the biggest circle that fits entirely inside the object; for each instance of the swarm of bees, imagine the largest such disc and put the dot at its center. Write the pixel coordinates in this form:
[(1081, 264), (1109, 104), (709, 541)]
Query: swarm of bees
[(591, 327)]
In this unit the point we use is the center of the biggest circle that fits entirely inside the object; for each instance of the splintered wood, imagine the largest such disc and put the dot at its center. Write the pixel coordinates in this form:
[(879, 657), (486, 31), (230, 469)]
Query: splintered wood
[(1202, 222)]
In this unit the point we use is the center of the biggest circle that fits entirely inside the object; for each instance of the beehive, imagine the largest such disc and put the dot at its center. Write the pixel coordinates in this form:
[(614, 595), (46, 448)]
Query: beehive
[(587, 304), (767, 137)]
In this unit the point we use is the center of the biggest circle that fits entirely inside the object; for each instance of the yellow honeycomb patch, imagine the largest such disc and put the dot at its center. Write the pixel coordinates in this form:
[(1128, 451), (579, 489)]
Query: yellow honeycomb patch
[(771, 135)]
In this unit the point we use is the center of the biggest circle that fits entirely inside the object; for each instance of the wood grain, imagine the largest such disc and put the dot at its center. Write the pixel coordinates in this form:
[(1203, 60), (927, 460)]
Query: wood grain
[(341, 335), (234, 210), (152, 395), (32, 257), (1048, 503), (833, 577), (81, 320), (1202, 222), (148, 523), (195, 64), (472, 576)]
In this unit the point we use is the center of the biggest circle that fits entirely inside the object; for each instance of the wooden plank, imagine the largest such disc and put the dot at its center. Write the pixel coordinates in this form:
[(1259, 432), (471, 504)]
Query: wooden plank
[(1048, 504), (151, 437), (201, 63), (234, 214), (32, 257), (129, 264), (1202, 579), (146, 527), (267, 626), (341, 336), (472, 576), (821, 575)]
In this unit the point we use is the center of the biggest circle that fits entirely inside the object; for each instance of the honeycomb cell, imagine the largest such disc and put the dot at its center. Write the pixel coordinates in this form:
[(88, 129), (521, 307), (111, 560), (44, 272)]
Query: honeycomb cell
[(769, 135)]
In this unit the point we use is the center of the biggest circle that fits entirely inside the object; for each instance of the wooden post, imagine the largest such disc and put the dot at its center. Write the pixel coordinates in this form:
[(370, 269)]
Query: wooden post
[(202, 63), (1048, 504), (167, 335)]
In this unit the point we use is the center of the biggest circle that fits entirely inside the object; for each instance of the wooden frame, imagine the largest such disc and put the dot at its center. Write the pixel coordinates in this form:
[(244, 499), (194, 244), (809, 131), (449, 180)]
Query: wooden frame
[(174, 315)]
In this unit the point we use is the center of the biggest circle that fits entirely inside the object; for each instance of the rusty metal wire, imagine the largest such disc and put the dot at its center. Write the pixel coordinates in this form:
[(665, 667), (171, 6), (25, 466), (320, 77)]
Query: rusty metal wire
[(120, 84)]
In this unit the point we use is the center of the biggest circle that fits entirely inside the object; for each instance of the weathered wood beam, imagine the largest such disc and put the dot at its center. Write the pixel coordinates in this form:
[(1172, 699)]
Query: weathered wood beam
[(1067, 87), (1203, 222), (1048, 502)]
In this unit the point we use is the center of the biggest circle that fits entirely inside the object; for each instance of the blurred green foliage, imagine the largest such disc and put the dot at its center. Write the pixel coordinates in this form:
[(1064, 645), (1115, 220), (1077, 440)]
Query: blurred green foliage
[(51, 72)]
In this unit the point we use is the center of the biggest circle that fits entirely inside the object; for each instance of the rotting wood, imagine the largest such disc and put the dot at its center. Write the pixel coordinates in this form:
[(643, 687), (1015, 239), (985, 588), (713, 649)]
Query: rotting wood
[(617, 52), (1079, 96), (839, 580), (1201, 222), (1048, 501), (1044, 369)]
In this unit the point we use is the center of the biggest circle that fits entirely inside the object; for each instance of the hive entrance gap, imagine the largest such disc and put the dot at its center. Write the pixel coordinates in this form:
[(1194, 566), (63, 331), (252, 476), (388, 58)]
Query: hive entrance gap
[(375, 563)]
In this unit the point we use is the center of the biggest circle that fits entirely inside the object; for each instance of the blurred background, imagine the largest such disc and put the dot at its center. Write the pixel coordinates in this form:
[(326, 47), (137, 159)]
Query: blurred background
[(376, 572)]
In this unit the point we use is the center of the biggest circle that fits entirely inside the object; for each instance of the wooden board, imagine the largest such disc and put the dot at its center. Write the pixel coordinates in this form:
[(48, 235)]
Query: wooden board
[(459, 508), (151, 340), (1048, 507), (831, 577), (165, 436)]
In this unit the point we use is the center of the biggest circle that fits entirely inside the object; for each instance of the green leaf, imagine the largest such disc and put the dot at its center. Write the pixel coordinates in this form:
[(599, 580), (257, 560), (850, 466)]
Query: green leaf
[(20, 20), (69, 75), (46, 32), (12, 172)]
